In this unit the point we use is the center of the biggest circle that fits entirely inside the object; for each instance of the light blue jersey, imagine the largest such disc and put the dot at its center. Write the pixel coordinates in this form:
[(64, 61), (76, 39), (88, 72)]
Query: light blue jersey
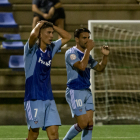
[(77, 79), (37, 71)]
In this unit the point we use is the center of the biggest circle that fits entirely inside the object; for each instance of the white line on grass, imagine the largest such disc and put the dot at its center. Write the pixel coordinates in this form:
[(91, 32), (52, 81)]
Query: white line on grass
[(76, 137)]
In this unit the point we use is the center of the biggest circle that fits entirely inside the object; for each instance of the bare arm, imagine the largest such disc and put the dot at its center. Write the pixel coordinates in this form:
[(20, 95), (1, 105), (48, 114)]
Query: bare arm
[(65, 36), (58, 5), (36, 10), (83, 63), (101, 66), (35, 33), (52, 9)]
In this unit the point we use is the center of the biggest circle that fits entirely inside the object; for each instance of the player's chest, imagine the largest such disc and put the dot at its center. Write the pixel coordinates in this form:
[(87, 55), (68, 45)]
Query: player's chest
[(44, 59), (80, 56)]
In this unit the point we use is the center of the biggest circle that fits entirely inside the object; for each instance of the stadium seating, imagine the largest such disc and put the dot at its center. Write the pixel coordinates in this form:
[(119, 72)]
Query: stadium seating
[(4, 3), (12, 45), (78, 12), (7, 20), (16, 61)]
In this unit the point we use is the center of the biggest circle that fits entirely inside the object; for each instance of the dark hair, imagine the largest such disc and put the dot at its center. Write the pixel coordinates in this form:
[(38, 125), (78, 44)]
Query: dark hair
[(45, 25), (79, 31)]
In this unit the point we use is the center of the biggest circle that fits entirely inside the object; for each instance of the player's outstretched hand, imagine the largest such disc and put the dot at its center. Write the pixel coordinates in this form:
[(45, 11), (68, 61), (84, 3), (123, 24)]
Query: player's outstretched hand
[(90, 44), (105, 50)]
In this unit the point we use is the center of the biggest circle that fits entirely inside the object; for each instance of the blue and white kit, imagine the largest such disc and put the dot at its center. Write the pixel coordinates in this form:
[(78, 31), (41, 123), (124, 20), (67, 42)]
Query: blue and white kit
[(78, 94), (39, 100)]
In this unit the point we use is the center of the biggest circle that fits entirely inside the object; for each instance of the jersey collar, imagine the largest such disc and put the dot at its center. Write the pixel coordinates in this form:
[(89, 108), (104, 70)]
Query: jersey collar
[(42, 51), (77, 49)]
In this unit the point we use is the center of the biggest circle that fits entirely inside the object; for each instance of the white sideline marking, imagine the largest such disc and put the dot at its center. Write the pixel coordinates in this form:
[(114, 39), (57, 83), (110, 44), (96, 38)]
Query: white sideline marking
[(76, 137)]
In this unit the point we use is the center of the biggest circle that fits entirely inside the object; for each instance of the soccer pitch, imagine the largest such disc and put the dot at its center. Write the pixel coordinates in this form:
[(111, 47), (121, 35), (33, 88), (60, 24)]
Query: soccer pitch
[(105, 132)]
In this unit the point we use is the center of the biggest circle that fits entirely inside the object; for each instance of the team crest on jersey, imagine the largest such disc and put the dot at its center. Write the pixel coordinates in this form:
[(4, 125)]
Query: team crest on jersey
[(72, 56), (35, 121)]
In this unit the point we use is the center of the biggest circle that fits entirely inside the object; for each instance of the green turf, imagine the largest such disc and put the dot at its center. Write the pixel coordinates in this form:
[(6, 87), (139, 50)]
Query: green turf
[(106, 132)]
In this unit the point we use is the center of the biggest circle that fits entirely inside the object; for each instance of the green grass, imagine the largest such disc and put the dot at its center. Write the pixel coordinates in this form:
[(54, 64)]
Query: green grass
[(106, 132)]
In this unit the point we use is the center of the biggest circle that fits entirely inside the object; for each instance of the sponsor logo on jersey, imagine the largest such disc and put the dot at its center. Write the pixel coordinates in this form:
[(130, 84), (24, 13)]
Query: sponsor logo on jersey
[(72, 56), (43, 62)]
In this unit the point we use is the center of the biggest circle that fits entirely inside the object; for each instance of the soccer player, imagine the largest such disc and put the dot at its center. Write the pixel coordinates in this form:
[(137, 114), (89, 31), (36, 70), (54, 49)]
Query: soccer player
[(39, 102), (78, 95)]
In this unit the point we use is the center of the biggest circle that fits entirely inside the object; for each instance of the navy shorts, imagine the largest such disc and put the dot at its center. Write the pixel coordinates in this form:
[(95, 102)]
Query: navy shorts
[(79, 101), (41, 113)]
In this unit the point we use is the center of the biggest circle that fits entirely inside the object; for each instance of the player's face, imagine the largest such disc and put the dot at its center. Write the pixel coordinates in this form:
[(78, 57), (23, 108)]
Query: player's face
[(83, 39), (47, 35)]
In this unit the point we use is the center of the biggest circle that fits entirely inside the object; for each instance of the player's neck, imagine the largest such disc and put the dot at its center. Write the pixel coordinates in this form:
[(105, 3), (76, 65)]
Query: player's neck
[(43, 47), (80, 48)]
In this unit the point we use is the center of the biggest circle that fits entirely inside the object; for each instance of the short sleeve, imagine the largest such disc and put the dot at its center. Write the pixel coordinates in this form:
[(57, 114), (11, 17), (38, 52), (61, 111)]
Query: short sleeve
[(92, 62), (71, 57), (56, 47), (28, 50)]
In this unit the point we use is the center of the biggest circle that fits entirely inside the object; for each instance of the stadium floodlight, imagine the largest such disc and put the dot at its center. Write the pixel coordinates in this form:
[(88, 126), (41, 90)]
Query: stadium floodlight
[(116, 91)]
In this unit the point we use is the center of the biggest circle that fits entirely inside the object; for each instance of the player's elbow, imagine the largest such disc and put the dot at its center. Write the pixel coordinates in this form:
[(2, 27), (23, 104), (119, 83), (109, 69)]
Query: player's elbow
[(82, 67), (66, 38), (100, 69), (69, 36)]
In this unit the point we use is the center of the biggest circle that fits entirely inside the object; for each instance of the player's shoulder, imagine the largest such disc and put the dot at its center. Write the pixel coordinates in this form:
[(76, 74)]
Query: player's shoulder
[(34, 45), (28, 49), (71, 51)]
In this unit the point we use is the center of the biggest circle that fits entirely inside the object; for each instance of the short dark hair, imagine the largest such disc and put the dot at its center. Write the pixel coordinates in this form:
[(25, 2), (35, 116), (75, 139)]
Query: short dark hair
[(47, 25), (79, 31)]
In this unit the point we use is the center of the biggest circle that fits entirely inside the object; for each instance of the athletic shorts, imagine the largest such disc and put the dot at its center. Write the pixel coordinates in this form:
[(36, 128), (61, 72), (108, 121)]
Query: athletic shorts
[(41, 113), (79, 101), (59, 14)]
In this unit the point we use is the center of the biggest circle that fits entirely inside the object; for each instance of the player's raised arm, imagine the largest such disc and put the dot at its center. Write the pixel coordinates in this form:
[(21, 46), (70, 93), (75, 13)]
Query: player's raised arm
[(83, 63), (65, 36), (101, 66), (35, 33)]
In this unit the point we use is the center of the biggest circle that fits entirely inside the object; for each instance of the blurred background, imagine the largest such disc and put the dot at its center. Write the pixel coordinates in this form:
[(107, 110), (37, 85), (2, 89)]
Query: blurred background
[(117, 90)]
